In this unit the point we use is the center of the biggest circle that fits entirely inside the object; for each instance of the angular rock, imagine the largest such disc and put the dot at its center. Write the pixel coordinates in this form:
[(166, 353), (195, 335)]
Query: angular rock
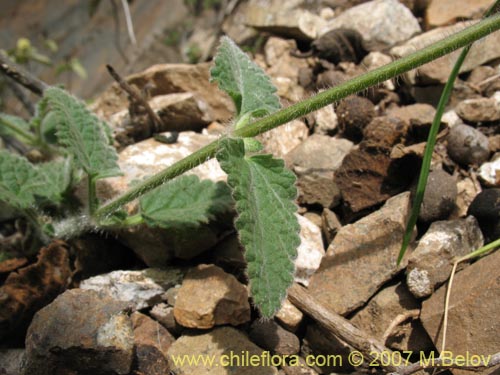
[(151, 343), (382, 23), (439, 197), (489, 173), (362, 257), (32, 287), (299, 368), (431, 262), (439, 70), (313, 217), (418, 117), (325, 121), (80, 332), (281, 63), (310, 251), (444, 12), (225, 345), (271, 336), (479, 110), (139, 289), (209, 296), (283, 139), (375, 60), (163, 79), (315, 161), (389, 305), (467, 190), (474, 304), (383, 132), (289, 316)]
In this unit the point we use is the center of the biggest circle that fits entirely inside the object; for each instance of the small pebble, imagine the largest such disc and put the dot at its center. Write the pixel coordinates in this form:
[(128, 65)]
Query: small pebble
[(354, 113), (467, 145), (439, 198), (486, 209)]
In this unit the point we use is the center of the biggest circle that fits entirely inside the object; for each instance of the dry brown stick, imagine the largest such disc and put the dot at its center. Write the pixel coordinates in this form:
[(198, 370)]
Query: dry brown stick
[(135, 95), (21, 76), (445, 364), (340, 327)]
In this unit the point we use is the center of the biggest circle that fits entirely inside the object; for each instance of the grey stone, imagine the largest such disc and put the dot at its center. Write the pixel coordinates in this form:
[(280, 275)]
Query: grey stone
[(430, 264), (139, 289), (208, 297), (165, 315), (467, 145), (10, 361), (439, 70), (271, 336), (479, 110), (362, 257), (219, 344), (472, 314), (80, 332), (439, 197), (382, 23), (325, 120), (387, 306)]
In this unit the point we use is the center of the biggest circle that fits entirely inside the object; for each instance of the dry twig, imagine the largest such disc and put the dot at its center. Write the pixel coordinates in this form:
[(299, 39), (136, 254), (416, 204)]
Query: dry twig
[(21, 76)]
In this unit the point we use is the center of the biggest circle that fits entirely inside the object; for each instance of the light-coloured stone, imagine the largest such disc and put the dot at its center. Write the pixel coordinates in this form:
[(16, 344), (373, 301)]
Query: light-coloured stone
[(310, 251), (375, 60), (479, 110), (382, 23), (362, 257), (439, 70), (208, 297), (489, 172), (473, 323), (164, 314), (443, 12), (139, 289), (431, 262), (227, 346), (281, 140), (289, 316), (467, 190), (325, 120), (451, 118), (279, 60)]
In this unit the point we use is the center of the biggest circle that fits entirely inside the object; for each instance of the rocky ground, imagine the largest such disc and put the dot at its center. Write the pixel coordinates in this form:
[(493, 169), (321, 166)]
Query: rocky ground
[(129, 302)]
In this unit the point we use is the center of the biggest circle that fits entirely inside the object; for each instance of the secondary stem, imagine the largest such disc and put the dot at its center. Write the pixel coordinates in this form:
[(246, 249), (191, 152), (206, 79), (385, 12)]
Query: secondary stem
[(395, 68)]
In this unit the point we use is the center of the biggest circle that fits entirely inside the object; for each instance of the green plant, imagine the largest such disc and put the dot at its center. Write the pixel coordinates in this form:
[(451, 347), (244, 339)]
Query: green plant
[(262, 189)]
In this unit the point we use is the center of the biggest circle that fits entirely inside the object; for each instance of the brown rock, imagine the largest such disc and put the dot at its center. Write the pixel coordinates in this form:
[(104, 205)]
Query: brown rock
[(330, 225), (208, 297), (32, 287), (299, 368), (165, 315), (279, 60), (354, 113), (271, 336), (151, 343), (467, 190), (227, 347), (472, 316), (80, 332), (418, 117), (384, 132), (387, 306), (163, 79), (362, 257), (479, 110), (444, 12), (10, 361)]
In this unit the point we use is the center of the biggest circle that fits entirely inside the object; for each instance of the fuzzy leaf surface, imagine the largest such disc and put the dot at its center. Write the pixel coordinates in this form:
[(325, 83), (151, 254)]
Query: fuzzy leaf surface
[(83, 134), (244, 81), (19, 181), (264, 192), (57, 175), (185, 201)]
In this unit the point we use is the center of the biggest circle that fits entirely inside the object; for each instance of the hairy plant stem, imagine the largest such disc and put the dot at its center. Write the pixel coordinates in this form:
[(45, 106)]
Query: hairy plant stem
[(393, 69)]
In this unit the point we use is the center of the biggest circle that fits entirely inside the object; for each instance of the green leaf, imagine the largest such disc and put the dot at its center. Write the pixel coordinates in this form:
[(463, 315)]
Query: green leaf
[(57, 175), (264, 192), (83, 134), (185, 201), (244, 81), (17, 127), (19, 181)]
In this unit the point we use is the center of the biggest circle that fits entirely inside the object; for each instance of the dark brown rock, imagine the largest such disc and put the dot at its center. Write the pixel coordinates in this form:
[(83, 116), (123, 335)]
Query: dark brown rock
[(151, 342), (330, 78), (32, 287), (80, 332), (472, 316), (382, 133), (418, 117), (354, 113), (486, 209), (271, 336)]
